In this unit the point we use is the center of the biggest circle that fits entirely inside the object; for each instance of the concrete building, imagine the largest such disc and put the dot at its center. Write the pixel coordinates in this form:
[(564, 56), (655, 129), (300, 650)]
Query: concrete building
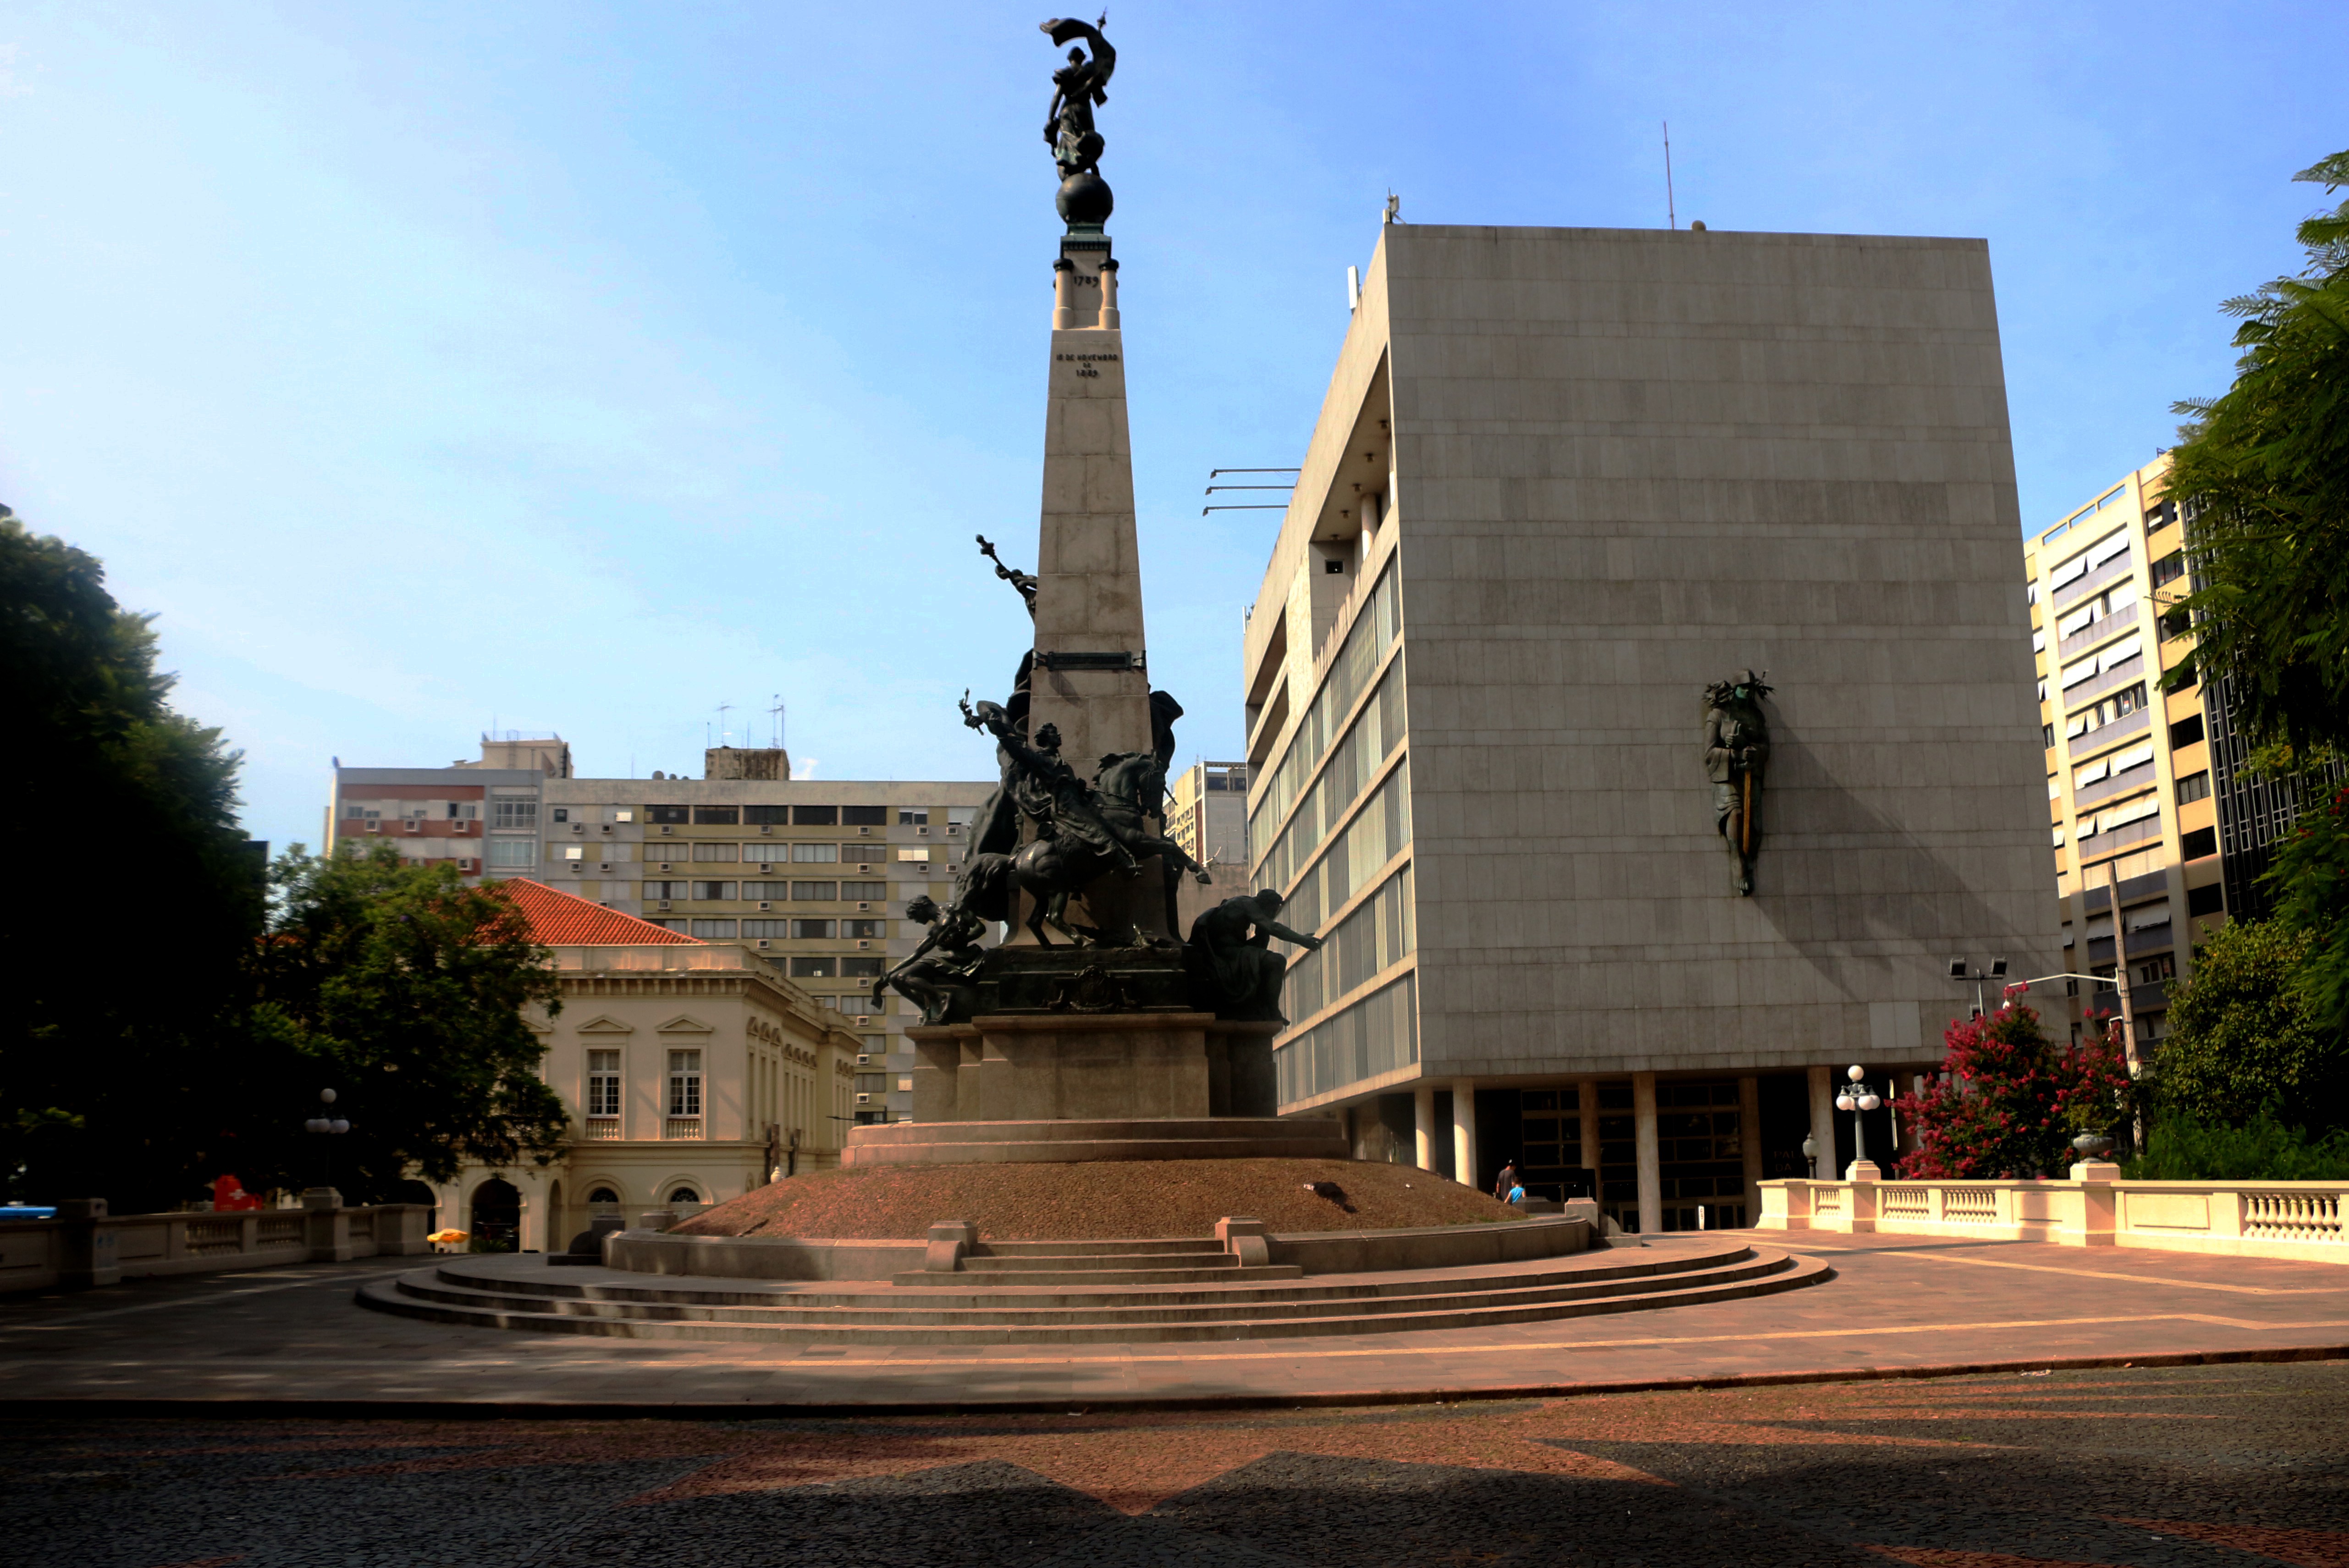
[(813, 874), (1562, 481), (1207, 813), (693, 1072)]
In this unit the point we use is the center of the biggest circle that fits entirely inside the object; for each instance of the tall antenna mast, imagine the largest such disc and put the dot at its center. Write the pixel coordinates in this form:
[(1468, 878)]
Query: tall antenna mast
[(1672, 213), (775, 720)]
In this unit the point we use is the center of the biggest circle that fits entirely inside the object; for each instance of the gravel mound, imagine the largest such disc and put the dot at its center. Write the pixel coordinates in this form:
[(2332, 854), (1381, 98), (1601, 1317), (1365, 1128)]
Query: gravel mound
[(1099, 1201)]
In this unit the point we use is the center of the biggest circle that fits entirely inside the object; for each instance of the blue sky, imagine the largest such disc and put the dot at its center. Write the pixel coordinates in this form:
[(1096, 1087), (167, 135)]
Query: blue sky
[(583, 367)]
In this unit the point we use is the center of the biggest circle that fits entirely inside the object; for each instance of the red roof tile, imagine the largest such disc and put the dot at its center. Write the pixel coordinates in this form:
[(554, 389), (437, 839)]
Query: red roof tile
[(561, 919)]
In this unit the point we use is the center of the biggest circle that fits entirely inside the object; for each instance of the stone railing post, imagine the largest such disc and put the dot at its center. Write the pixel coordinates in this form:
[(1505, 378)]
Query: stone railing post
[(89, 1257), (2097, 1221), (2227, 1210), (326, 1226)]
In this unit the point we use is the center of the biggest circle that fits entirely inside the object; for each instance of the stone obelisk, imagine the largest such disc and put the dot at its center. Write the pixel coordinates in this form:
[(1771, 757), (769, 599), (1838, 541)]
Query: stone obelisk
[(1091, 679)]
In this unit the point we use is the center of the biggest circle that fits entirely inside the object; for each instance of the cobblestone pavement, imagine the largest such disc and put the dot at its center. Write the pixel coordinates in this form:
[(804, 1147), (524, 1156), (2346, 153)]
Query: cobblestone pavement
[(2151, 1467), (1897, 1304)]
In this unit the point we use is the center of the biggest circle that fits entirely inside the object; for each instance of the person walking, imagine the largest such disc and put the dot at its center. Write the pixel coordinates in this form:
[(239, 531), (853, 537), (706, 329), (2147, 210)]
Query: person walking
[(1507, 1178)]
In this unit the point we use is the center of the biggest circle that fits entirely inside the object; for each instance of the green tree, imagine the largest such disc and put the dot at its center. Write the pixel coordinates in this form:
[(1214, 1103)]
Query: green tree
[(2311, 876), (2013, 1099), (2262, 475), (135, 905), (2241, 1039), (403, 991)]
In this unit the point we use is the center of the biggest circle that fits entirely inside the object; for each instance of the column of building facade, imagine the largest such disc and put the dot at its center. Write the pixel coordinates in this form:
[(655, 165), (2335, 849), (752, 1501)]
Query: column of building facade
[(1463, 1131), (1650, 1161)]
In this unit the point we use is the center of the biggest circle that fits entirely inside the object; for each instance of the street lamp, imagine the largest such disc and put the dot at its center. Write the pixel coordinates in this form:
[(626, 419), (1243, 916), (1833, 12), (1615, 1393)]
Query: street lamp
[(1860, 1097), (1811, 1154), (332, 1126), (1978, 978)]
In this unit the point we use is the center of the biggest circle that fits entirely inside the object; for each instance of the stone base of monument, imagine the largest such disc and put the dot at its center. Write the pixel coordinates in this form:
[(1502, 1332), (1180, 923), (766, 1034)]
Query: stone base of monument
[(1030, 1142)]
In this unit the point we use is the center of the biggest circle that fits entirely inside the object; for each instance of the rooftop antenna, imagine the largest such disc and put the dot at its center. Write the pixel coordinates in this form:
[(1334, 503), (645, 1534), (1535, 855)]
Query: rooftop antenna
[(775, 716), (1672, 213)]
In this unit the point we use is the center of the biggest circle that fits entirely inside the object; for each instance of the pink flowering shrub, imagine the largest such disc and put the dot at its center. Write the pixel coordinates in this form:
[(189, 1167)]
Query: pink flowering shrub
[(2011, 1099)]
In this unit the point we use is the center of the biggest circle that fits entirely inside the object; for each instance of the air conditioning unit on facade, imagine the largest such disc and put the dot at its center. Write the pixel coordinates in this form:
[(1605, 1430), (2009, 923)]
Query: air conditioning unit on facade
[(665, 828), (578, 827), (762, 941), (766, 865), (603, 866), (577, 867), (664, 865), (415, 825), (864, 907), (864, 1099), (662, 904), (863, 1059), (864, 831), (921, 832), (608, 827), (766, 827), (862, 944)]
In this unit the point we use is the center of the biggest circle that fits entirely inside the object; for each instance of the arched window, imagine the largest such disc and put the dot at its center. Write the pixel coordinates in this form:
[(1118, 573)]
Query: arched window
[(603, 1195), (685, 1195)]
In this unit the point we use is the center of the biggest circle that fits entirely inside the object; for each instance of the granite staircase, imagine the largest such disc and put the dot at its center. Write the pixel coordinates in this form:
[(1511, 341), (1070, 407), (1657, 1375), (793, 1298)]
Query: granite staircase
[(1079, 1293)]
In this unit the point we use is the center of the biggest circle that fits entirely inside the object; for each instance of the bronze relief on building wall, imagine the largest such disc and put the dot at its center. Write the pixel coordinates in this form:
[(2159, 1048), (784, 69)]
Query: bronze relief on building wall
[(1736, 757)]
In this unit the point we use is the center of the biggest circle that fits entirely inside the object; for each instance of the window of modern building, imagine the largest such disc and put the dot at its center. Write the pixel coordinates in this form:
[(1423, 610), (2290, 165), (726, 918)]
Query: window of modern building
[(2194, 786), (815, 815), (2154, 971), (668, 814), (718, 815), (2201, 842), (815, 968), (514, 852), (516, 814), (959, 816), (713, 890), (766, 816), (684, 1087), (713, 930), (603, 1083), (766, 890), (669, 889), (863, 815), (909, 817), (2211, 900), (867, 930), (2047, 735), (859, 969), (815, 853), (766, 929), (717, 851), (619, 814), (824, 892), (872, 1083), (561, 813), (2185, 731), (666, 925), (812, 930), (863, 892), (2169, 568), (922, 853)]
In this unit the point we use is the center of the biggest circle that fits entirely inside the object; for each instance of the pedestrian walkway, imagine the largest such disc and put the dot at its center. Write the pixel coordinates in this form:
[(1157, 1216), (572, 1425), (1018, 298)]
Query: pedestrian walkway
[(1898, 1305), (2208, 1467)]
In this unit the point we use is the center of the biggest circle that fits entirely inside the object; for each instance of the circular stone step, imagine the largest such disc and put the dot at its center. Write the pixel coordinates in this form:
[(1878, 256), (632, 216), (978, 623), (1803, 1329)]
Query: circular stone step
[(508, 1292)]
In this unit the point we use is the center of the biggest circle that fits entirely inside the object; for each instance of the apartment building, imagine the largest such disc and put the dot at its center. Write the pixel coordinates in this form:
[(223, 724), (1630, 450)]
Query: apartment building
[(2129, 770), (693, 1072), (1207, 813), (815, 875), (1562, 481)]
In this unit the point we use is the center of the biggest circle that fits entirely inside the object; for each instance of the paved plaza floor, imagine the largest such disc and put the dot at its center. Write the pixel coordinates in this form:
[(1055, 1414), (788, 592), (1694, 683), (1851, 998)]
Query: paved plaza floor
[(2149, 1468), (1898, 1305)]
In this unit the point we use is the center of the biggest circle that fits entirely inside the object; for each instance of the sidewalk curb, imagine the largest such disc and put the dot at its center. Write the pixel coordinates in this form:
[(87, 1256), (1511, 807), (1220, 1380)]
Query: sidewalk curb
[(239, 1409)]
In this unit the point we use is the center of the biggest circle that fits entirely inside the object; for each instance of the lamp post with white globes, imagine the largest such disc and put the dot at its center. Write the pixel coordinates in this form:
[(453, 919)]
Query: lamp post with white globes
[(1855, 1099), (331, 1126)]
